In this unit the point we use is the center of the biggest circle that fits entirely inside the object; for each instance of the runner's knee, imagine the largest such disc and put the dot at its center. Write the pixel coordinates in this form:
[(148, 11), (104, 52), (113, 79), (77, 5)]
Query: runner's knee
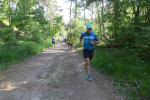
[(87, 61)]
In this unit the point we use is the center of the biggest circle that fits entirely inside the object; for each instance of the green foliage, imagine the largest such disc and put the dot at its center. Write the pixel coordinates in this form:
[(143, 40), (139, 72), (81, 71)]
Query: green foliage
[(8, 36), (29, 48), (127, 69), (34, 31), (29, 20), (136, 38), (56, 26), (78, 30), (27, 29), (39, 15), (22, 50), (71, 38)]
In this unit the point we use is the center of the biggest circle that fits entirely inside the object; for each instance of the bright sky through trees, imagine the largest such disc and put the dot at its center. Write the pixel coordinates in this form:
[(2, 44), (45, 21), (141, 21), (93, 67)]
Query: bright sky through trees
[(64, 5)]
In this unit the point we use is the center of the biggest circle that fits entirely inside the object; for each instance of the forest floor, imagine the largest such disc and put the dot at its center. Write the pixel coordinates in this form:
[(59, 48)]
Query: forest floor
[(55, 75)]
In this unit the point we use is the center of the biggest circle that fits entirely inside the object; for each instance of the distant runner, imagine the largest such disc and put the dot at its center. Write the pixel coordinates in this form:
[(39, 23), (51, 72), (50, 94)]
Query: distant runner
[(70, 41), (53, 42), (90, 39)]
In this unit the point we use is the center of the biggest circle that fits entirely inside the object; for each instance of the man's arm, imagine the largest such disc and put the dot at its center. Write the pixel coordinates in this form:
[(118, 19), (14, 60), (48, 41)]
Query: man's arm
[(81, 38), (96, 41)]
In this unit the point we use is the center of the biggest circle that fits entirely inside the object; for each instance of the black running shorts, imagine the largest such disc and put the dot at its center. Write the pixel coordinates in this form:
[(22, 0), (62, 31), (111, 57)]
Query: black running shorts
[(88, 53)]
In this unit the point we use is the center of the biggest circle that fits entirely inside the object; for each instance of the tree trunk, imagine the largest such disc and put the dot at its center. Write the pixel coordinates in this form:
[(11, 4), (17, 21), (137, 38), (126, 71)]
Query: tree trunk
[(137, 12), (76, 2), (147, 18), (116, 17), (84, 16), (99, 19), (70, 14), (92, 12), (9, 13), (102, 21)]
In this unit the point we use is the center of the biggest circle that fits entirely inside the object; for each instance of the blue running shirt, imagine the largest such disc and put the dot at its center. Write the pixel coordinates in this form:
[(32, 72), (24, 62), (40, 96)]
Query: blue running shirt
[(88, 38)]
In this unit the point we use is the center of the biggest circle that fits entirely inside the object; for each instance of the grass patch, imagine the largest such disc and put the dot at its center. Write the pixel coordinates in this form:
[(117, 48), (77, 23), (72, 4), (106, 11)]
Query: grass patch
[(24, 49), (131, 74)]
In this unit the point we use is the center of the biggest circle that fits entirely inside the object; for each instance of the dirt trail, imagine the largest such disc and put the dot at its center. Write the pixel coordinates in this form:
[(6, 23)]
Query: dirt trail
[(54, 75)]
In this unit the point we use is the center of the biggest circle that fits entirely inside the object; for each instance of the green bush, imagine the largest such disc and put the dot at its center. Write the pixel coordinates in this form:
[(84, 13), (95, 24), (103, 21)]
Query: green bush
[(8, 36), (29, 48), (24, 49), (125, 67), (137, 38)]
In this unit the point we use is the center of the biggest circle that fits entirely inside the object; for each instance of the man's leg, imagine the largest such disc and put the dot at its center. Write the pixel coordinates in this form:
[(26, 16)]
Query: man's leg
[(69, 48), (68, 45), (87, 66), (53, 46), (72, 48), (87, 63)]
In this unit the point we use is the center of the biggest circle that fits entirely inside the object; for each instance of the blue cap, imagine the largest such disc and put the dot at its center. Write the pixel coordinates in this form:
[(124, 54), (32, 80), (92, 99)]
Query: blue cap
[(89, 26)]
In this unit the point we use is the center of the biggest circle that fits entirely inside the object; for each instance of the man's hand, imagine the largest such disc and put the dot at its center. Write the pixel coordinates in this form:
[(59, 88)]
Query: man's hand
[(95, 42)]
